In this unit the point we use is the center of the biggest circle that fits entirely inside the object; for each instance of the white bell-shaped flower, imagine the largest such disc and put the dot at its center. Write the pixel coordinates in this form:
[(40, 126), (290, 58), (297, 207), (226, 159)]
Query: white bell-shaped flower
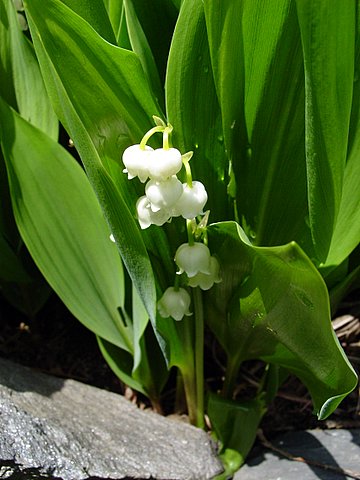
[(192, 201), (206, 281), (137, 162), (147, 217), (163, 195), (193, 259), (174, 303), (164, 163)]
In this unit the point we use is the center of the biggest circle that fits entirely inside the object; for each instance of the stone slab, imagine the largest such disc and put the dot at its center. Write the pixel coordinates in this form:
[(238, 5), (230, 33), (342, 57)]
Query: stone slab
[(76, 432), (338, 448)]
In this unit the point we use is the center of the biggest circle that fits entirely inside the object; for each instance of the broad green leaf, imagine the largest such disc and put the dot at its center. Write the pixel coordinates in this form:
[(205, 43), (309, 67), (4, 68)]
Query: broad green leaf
[(193, 109), (274, 306), (235, 424), (27, 298), (150, 374), (350, 283), (31, 98), (141, 47), (116, 12), (7, 89), (121, 363), (101, 129), (256, 53), (94, 12), (346, 236), (328, 39), (11, 269), (158, 24), (62, 225)]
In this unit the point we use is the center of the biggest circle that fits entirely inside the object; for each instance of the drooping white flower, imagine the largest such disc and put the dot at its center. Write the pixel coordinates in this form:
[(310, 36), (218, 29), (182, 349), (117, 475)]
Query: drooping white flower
[(164, 163), (174, 303), (147, 217), (206, 281), (193, 259), (137, 161), (192, 201), (163, 195)]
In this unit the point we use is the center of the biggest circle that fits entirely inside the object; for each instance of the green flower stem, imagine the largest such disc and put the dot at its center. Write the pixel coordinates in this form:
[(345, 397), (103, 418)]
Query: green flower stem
[(186, 159), (149, 134), (199, 355), (177, 283), (188, 371), (166, 137), (231, 373), (189, 227), (190, 394)]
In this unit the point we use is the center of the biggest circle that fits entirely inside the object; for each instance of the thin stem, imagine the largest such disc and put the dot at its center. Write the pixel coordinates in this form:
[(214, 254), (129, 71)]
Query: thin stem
[(166, 137), (199, 355), (189, 227), (149, 134), (232, 370), (188, 371), (177, 283), (186, 159)]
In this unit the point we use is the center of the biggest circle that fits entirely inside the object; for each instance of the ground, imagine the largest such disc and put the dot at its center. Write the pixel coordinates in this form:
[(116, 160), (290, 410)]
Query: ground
[(55, 342)]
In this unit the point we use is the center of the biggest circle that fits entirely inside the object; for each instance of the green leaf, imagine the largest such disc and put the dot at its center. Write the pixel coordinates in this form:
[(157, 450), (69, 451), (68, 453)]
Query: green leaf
[(116, 12), (144, 378), (193, 109), (350, 283), (94, 12), (121, 363), (346, 235), (11, 269), (328, 39), (256, 53), (141, 47), (101, 129), (61, 223), (235, 423), (7, 85), (158, 24), (274, 306), (31, 98)]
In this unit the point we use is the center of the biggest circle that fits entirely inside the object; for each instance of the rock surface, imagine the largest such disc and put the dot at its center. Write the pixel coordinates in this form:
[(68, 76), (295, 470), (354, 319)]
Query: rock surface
[(74, 431), (339, 449)]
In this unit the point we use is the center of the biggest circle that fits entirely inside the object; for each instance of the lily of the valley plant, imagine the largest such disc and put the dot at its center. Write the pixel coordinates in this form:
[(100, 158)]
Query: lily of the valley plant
[(220, 150)]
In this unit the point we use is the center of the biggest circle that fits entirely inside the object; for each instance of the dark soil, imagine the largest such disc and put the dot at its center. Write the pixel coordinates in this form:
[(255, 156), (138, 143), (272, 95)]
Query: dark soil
[(55, 342)]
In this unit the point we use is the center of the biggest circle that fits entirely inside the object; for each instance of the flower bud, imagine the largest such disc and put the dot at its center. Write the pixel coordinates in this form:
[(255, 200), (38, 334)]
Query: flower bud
[(147, 217), (137, 161), (192, 201), (193, 259), (163, 194), (164, 163), (174, 303), (206, 281)]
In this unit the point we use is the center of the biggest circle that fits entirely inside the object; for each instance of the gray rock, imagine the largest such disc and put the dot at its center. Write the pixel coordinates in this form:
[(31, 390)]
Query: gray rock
[(337, 448), (76, 431)]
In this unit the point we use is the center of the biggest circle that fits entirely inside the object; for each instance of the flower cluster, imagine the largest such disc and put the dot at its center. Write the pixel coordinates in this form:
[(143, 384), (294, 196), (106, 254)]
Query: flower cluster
[(166, 197)]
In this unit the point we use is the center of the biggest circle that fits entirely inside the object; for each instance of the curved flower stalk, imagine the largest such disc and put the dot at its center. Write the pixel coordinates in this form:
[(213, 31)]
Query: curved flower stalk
[(166, 197)]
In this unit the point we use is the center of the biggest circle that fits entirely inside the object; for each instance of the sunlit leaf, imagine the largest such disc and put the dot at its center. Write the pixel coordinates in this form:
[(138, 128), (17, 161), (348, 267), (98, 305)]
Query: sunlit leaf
[(328, 40), (106, 107), (62, 225), (193, 109), (23, 76), (274, 306)]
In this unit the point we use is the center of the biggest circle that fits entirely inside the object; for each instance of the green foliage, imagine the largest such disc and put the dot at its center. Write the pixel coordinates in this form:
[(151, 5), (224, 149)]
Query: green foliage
[(267, 98)]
